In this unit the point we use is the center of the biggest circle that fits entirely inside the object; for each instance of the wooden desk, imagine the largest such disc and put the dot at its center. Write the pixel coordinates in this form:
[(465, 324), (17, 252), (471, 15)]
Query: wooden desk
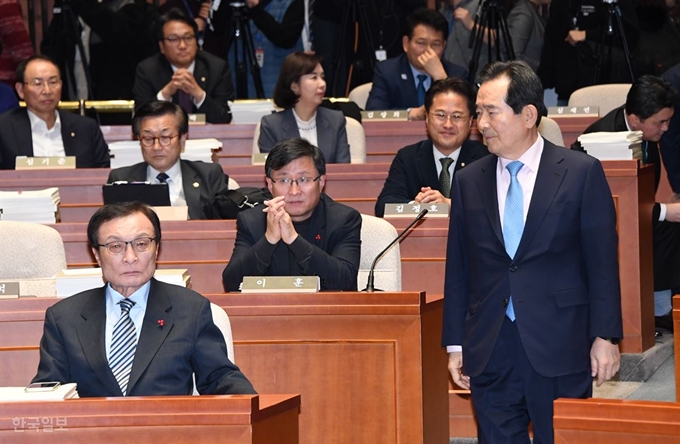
[(615, 421), (237, 419), (676, 345), (369, 366)]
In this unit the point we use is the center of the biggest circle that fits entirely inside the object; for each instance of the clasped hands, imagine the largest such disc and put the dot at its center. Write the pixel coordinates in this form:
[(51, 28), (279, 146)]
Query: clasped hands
[(183, 80), (428, 195), (279, 224)]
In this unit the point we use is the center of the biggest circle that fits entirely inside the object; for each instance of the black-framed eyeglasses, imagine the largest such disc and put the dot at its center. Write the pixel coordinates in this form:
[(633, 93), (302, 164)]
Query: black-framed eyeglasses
[(140, 245), (174, 39), (164, 141), (301, 182)]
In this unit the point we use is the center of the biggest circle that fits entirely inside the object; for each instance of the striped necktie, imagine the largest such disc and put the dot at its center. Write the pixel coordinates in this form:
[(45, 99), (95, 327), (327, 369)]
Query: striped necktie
[(513, 220), (123, 346)]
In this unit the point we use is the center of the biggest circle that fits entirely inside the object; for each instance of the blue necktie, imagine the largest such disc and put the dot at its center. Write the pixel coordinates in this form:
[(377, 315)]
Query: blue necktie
[(123, 346), (513, 220), (421, 89)]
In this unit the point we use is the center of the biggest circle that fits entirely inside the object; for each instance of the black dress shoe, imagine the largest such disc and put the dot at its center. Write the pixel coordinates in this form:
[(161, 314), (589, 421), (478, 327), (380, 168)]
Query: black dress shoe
[(665, 321)]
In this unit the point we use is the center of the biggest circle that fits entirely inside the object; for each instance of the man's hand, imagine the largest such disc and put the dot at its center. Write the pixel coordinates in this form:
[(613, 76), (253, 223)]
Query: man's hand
[(432, 64), (288, 233), (673, 212), (184, 80), (275, 210), (575, 36), (203, 15), (417, 113), (456, 370), (465, 18), (604, 360), (252, 3), (428, 195)]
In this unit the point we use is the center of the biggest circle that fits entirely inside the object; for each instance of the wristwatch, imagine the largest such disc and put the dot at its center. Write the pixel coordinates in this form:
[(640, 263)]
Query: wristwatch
[(614, 341)]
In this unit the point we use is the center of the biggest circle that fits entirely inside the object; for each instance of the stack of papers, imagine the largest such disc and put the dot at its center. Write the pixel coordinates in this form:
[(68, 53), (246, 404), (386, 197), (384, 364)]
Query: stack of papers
[(38, 206), (250, 111), (129, 152), (64, 391), (75, 280), (623, 145)]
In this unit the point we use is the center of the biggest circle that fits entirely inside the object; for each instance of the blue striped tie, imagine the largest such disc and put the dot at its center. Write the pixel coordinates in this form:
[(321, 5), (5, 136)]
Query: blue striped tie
[(123, 345), (513, 220)]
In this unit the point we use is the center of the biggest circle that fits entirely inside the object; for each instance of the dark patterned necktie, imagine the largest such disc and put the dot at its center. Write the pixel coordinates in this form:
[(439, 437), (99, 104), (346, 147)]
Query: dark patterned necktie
[(123, 346), (445, 177), (162, 177)]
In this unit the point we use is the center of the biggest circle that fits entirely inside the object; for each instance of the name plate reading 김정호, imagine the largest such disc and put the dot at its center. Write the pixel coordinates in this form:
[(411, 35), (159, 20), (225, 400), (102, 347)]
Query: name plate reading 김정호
[(412, 209), (9, 290), (280, 284), (391, 114), (45, 163)]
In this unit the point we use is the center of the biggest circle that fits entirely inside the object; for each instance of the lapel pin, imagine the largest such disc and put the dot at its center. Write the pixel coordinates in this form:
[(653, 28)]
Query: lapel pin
[(202, 79), (196, 184), (404, 77), (462, 164), (73, 134), (318, 237), (160, 323)]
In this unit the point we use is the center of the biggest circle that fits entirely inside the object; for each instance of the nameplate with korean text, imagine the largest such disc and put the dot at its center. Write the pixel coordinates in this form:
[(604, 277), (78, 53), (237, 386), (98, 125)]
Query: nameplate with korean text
[(412, 209), (280, 284), (259, 158), (9, 290), (196, 119), (573, 111), (45, 163), (387, 115)]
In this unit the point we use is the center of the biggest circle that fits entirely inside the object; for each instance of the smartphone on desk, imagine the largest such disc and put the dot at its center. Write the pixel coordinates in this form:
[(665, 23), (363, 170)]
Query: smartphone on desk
[(42, 387)]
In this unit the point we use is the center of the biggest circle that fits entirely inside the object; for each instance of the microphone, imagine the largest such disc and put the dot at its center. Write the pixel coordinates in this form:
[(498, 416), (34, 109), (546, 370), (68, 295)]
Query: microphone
[(370, 283)]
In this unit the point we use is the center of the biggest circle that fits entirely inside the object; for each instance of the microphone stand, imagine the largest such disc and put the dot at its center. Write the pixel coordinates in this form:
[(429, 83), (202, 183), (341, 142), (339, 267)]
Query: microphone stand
[(370, 283)]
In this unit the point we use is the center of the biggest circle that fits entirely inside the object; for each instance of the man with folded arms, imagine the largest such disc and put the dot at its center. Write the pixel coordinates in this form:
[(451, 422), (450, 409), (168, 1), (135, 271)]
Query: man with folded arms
[(300, 231), (422, 172), (135, 336)]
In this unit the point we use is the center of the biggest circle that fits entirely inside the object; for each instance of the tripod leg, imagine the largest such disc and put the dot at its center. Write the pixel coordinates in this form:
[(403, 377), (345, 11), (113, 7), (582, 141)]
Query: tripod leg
[(507, 39), (477, 42), (368, 37), (624, 43), (340, 59), (249, 54)]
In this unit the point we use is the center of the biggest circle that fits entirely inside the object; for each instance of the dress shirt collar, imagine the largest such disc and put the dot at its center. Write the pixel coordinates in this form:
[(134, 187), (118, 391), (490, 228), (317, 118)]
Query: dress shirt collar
[(428, 81), (174, 173), (140, 297), (531, 157), (39, 124)]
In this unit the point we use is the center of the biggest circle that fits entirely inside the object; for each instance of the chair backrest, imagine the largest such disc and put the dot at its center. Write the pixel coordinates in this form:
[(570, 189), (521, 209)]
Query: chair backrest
[(30, 251), (376, 234), (551, 131), (359, 95), (221, 320), (356, 137), (606, 97)]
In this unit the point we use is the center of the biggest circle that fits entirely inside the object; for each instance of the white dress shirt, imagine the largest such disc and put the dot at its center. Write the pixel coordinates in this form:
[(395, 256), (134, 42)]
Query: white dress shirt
[(175, 184), (191, 67), (46, 142), (113, 312)]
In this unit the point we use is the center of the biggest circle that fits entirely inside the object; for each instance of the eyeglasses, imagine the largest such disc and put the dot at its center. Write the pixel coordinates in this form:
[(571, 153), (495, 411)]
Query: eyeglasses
[(174, 40), (302, 182), (456, 118), (163, 141), (140, 245), (52, 82)]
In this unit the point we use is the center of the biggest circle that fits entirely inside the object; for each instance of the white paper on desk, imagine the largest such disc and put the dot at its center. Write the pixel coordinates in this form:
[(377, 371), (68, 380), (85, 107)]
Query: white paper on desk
[(64, 391)]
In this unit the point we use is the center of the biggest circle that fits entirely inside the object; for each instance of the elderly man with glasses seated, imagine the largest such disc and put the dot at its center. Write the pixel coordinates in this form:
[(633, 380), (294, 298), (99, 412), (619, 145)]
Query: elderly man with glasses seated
[(197, 81), (300, 231), (162, 129), (423, 172), (40, 130), (135, 336)]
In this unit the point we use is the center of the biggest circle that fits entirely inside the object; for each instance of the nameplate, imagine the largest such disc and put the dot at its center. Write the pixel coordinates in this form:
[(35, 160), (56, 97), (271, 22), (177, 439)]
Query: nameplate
[(280, 284), (45, 163), (573, 111), (387, 115), (412, 209), (172, 213), (259, 158), (9, 290), (196, 119)]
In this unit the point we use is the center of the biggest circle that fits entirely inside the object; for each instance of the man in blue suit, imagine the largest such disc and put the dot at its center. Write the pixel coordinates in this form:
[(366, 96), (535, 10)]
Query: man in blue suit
[(401, 82), (532, 304)]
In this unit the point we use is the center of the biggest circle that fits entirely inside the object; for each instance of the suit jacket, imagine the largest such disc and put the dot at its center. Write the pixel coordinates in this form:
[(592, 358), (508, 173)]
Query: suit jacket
[(200, 181), (81, 136), (331, 133), (670, 141), (564, 278), (414, 167), (211, 73), (73, 349), (330, 249), (394, 86)]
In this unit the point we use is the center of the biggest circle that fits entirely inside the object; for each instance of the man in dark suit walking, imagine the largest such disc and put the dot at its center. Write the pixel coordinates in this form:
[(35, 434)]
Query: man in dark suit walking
[(196, 80), (162, 129), (532, 305), (135, 336), (418, 171), (40, 130), (401, 82), (301, 231)]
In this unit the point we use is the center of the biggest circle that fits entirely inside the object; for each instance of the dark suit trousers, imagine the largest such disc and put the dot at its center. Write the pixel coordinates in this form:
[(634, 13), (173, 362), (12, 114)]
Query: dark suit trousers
[(509, 394)]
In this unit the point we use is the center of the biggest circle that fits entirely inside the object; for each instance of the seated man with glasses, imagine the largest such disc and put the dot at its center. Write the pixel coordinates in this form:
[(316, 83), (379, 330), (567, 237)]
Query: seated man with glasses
[(135, 336), (40, 129), (423, 172), (300, 231), (197, 81), (162, 129)]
